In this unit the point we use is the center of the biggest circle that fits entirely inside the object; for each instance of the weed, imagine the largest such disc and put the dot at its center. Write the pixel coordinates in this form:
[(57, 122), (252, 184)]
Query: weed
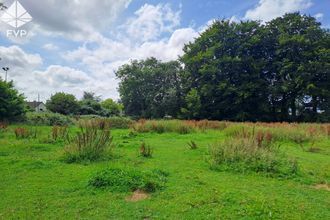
[(192, 145), (90, 144), (60, 133), (24, 133), (245, 154), (145, 150)]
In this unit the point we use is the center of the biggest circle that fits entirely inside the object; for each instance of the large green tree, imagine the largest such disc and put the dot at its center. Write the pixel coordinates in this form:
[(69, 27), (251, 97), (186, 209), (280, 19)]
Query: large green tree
[(12, 106), (299, 65), (226, 66), (151, 88), (63, 103)]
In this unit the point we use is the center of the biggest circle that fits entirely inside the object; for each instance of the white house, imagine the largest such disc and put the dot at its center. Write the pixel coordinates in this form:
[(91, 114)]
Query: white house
[(37, 106)]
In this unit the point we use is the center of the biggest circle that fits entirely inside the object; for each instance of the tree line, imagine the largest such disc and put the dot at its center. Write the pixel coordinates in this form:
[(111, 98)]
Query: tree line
[(246, 71)]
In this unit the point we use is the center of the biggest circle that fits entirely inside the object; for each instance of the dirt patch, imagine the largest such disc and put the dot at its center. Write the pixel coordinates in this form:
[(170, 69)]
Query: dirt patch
[(138, 195), (322, 186)]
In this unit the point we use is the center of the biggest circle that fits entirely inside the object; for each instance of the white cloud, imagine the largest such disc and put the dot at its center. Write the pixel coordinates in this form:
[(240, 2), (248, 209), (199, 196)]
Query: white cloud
[(19, 62), (319, 16), (78, 20), (97, 59), (151, 21), (266, 10), (50, 46)]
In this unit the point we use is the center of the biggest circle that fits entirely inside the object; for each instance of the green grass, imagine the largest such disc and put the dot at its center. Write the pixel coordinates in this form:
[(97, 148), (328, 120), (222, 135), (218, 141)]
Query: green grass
[(36, 184)]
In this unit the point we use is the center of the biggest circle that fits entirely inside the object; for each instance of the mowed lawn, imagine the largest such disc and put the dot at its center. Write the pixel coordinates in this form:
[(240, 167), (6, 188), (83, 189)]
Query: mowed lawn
[(36, 184)]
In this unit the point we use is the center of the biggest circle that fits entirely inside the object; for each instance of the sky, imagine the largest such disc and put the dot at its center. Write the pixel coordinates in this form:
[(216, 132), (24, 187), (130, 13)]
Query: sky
[(74, 46)]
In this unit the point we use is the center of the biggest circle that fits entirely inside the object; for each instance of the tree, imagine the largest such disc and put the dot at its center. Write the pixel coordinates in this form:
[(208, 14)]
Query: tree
[(150, 88), (112, 107), (63, 103), (90, 105), (193, 105), (12, 104), (300, 66), (226, 68)]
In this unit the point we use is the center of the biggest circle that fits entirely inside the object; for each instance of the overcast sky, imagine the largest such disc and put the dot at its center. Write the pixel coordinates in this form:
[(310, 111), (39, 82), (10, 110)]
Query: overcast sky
[(77, 45)]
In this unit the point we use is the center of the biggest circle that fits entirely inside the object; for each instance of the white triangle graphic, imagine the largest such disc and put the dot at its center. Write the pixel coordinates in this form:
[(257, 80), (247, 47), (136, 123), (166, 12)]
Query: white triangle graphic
[(16, 15)]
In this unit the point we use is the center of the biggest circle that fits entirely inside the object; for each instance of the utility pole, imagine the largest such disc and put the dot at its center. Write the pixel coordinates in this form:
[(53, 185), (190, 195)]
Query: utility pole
[(6, 70)]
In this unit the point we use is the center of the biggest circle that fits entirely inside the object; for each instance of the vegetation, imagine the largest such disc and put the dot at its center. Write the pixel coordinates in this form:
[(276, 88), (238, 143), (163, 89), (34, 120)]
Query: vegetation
[(247, 154), (244, 71), (47, 118), (12, 105), (62, 103), (91, 143), (126, 180), (237, 171), (145, 150)]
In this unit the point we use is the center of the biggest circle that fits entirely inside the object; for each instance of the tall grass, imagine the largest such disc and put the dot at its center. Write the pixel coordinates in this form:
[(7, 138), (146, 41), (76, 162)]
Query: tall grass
[(90, 143), (24, 133), (3, 127), (177, 126), (249, 155), (297, 133)]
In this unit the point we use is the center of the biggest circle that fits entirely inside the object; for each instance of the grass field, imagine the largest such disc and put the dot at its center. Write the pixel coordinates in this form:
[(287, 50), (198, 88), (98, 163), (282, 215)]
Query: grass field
[(35, 182)]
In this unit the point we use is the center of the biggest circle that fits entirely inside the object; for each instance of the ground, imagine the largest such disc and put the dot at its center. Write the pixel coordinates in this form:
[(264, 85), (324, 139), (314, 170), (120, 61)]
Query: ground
[(36, 184)]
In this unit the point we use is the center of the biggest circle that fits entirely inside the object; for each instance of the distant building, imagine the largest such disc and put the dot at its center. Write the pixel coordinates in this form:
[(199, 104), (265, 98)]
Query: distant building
[(37, 106)]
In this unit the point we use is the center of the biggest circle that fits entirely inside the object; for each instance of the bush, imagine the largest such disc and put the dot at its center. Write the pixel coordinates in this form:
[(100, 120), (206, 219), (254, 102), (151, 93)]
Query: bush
[(126, 180), (89, 144), (47, 119), (245, 155)]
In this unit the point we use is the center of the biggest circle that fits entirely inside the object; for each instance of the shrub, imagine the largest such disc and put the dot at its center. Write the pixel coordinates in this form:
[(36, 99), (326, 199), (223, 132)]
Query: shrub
[(126, 180), (89, 144), (192, 145), (145, 150), (47, 119), (244, 155), (23, 133)]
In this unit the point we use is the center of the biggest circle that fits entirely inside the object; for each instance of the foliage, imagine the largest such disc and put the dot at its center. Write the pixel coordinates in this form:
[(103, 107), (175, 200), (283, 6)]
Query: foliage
[(246, 71), (12, 106), (63, 103), (47, 118), (89, 144), (150, 88), (145, 150), (246, 154), (113, 108), (126, 180)]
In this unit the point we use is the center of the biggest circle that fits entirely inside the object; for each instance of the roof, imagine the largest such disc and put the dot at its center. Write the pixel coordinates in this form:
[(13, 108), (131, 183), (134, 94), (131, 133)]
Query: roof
[(34, 104)]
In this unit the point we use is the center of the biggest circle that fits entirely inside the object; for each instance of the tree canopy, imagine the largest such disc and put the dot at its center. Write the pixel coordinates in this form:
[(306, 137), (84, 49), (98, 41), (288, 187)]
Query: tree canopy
[(246, 71), (12, 105), (63, 103)]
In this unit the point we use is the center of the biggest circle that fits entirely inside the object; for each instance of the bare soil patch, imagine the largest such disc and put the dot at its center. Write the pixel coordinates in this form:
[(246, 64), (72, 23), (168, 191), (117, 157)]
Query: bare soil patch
[(322, 186), (138, 195)]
